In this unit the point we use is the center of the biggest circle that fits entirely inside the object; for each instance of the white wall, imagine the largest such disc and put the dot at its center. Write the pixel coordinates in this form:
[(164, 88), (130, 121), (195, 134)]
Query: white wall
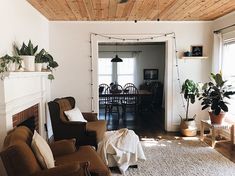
[(224, 21), (20, 22), (69, 43), (147, 57)]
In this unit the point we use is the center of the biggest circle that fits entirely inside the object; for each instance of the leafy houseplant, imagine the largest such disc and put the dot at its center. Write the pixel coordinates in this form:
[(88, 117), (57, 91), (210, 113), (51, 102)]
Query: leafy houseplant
[(9, 63), (4, 61), (190, 91), (214, 97), (45, 57), (27, 52)]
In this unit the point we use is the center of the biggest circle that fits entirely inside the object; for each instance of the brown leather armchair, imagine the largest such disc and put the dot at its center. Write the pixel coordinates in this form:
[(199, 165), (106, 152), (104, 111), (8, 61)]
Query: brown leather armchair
[(19, 159), (89, 133)]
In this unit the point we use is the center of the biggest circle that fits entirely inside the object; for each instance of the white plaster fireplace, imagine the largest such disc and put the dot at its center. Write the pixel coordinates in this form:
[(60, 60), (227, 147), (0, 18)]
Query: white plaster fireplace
[(19, 91)]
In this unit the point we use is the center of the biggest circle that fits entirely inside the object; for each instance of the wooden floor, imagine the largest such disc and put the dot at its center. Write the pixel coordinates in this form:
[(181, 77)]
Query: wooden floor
[(150, 124)]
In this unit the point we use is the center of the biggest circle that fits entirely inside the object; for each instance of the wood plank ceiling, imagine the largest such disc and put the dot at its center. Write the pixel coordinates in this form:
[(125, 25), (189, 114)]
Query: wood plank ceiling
[(141, 10)]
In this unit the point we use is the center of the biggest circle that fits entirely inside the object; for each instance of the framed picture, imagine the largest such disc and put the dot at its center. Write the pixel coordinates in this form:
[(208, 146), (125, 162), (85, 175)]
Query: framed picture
[(150, 74), (197, 50)]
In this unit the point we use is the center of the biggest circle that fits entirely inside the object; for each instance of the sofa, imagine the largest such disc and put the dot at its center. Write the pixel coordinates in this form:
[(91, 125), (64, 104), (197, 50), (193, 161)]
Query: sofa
[(85, 133), (19, 158)]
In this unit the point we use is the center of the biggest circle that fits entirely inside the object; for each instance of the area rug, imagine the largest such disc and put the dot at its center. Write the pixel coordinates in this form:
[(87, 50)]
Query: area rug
[(181, 158)]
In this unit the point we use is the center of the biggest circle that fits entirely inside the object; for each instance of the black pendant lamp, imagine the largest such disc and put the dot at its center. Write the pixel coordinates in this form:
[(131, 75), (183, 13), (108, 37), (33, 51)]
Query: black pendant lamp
[(116, 58)]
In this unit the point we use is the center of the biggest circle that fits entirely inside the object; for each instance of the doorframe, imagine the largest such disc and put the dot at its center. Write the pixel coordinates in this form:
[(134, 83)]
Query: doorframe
[(169, 56)]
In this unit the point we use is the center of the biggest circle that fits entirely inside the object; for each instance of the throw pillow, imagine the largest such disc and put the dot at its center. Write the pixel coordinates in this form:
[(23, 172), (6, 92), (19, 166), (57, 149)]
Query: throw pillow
[(42, 151), (75, 115)]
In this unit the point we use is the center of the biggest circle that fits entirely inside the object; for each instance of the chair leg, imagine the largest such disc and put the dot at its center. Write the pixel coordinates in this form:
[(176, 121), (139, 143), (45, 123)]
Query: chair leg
[(105, 114), (118, 112)]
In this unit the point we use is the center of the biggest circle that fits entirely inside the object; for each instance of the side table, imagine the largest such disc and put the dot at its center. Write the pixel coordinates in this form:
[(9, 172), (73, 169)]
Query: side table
[(213, 127)]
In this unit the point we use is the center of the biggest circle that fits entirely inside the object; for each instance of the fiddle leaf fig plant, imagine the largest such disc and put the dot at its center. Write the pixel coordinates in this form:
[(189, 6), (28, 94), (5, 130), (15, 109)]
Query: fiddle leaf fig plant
[(190, 91), (215, 93)]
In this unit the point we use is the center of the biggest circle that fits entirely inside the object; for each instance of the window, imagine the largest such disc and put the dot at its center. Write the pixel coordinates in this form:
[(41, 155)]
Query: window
[(228, 70), (125, 71), (105, 70), (122, 72)]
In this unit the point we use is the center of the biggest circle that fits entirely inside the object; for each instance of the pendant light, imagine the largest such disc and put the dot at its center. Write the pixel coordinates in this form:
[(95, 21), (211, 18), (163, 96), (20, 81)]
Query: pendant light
[(116, 58)]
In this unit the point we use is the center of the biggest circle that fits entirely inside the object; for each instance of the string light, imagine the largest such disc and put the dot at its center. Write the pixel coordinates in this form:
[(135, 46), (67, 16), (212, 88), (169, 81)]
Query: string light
[(172, 34)]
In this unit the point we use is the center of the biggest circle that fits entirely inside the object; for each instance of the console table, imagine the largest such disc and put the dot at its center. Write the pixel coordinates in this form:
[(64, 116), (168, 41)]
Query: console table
[(213, 128)]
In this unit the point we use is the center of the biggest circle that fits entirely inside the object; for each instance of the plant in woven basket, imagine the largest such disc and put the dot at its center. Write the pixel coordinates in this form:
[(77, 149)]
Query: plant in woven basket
[(190, 91)]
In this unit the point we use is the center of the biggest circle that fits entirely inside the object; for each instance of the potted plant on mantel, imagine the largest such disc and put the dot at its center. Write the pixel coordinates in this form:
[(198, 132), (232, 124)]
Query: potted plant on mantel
[(214, 96), (44, 57), (9, 63), (188, 125), (27, 52)]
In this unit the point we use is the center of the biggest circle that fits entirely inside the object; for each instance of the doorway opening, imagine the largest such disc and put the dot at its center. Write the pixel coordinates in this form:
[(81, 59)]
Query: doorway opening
[(142, 66)]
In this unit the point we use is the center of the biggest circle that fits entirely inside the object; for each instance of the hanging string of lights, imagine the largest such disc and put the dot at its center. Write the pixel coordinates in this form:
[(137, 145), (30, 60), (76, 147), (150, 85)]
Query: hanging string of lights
[(172, 34)]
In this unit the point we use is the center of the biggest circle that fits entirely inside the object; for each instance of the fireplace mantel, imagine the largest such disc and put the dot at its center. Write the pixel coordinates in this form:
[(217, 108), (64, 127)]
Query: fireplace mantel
[(19, 91)]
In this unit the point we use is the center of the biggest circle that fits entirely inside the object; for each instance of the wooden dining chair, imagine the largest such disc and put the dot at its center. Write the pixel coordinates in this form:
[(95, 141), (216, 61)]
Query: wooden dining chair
[(112, 100), (130, 98), (102, 88), (128, 84)]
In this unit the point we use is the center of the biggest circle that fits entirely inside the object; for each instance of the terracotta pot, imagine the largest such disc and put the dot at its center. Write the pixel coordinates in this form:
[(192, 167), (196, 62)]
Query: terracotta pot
[(217, 119), (188, 128)]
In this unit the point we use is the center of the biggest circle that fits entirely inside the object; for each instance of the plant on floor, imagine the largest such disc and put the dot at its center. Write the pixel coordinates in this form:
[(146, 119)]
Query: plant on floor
[(190, 91), (215, 95), (26, 50)]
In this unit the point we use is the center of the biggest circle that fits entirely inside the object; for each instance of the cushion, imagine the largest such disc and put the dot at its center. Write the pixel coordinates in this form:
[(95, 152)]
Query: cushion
[(75, 115), (84, 154), (42, 151), (64, 106)]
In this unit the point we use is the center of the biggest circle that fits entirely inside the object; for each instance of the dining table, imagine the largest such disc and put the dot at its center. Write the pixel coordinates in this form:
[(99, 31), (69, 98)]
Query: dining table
[(141, 93)]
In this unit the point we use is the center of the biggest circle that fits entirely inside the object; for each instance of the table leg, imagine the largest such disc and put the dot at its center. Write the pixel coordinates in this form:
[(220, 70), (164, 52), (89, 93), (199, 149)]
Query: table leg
[(213, 137), (232, 136), (202, 131)]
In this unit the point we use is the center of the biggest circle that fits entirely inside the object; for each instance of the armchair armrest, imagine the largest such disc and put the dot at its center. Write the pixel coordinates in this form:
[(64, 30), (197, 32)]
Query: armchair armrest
[(71, 169), (63, 147), (89, 116)]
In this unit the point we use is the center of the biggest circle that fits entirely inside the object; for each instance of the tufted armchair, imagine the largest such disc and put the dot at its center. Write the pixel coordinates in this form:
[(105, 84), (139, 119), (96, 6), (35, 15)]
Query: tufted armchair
[(90, 133)]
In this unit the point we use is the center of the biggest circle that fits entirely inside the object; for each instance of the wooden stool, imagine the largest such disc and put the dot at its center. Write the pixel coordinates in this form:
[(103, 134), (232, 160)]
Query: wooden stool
[(213, 127)]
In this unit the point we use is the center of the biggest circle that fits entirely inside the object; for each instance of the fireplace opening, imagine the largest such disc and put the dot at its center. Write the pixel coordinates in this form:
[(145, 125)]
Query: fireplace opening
[(30, 123), (28, 118)]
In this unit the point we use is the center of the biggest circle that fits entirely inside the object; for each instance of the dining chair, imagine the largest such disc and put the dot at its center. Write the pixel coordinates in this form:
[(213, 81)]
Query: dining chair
[(130, 98), (112, 100), (128, 84), (103, 87)]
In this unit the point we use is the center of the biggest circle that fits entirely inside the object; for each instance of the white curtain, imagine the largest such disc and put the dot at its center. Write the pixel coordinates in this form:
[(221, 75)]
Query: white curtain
[(217, 53)]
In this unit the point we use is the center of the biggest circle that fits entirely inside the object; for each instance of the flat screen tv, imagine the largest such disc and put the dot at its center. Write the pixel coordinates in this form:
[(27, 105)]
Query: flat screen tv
[(150, 74)]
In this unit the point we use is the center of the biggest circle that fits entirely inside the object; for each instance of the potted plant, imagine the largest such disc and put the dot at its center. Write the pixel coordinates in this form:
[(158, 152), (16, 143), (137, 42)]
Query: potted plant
[(10, 63), (39, 60), (188, 125), (48, 61), (4, 61), (214, 96), (51, 66), (16, 63), (27, 52)]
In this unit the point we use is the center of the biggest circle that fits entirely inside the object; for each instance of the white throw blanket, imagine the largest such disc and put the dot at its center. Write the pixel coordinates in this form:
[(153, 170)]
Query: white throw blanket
[(121, 148)]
